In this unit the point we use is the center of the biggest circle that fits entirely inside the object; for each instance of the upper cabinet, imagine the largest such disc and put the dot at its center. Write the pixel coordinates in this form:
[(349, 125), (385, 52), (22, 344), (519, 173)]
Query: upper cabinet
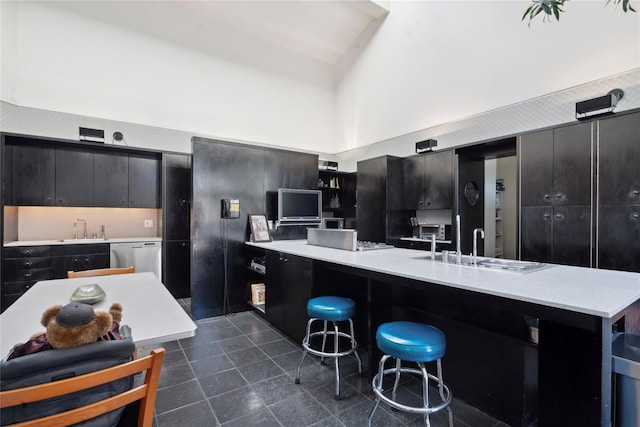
[(619, 157), (46, 173), (33, 170), (556, 166), (288, 169), (144, 181), (428, 181)]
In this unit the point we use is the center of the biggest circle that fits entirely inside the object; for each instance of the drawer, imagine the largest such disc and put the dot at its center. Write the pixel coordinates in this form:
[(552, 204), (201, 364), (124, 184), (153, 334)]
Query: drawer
[(34, 274), (85, 249), (26, 263), (26, 251), (17, 287), (60, 265)]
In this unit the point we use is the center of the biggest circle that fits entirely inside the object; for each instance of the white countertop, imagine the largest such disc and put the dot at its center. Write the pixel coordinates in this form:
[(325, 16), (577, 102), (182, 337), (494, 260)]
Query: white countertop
[(148, 308), (80, 241), (602, 293)]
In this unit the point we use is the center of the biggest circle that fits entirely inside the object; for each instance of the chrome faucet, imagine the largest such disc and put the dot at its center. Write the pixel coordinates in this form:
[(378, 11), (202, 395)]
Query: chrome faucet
[(433, 247), (458, 250), (75, 226), (475, 244), (104, 234)]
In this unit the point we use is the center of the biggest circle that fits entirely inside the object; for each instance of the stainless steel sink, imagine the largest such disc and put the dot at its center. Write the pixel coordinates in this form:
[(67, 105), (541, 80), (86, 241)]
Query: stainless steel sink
[(511, 265)]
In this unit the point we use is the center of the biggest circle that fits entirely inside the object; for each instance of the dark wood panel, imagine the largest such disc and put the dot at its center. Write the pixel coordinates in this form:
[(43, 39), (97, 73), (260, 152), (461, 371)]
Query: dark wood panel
[(74, 177), (572, 169), (536, 168), (177, 197), (34, 173), (572, 235), (144, 181), (537, 233), (111, 180), (619, 157), (618, 242), (177, 268), (438, 188)]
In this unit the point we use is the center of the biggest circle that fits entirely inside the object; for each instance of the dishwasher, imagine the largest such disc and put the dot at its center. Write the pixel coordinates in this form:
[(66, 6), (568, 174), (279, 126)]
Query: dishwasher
[(143, 256)]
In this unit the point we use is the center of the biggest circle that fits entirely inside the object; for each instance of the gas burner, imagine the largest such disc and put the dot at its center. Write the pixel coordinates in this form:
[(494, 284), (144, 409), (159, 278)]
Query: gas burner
[(364, 245)]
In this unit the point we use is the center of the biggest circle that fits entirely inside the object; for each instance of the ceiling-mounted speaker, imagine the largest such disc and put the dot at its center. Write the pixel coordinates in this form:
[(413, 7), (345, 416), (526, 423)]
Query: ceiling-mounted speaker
[(599, 106)]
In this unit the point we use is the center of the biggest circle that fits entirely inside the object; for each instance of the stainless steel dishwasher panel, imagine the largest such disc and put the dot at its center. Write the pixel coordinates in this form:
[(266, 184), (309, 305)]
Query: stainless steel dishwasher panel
[(143, 256)]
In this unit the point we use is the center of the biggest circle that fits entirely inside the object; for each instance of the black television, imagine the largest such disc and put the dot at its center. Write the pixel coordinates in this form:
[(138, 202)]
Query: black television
[(296, 205)]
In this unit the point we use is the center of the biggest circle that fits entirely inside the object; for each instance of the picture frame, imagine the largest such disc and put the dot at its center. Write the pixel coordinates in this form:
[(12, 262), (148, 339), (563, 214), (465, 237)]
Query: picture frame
[(259, 228)]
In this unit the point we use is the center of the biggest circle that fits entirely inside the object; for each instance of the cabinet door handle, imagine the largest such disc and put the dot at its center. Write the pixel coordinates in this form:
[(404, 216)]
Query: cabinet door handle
[(59, 199), (86, 260), (27, 275), (636, 192), (132, 202), (27, 264), (635, 216), (559, 216), (28, 251), (75, 260), (124, 202), (546, 216), (48, 199), (559, 196), (547, 197), (428, 202)]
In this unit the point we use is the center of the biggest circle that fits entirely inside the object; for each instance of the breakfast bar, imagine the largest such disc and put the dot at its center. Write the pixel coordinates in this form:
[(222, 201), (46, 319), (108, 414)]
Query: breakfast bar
[(522, 346)]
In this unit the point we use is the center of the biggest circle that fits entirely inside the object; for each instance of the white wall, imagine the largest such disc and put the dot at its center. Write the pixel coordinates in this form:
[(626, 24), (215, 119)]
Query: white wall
[(58, 61), (436, 62)]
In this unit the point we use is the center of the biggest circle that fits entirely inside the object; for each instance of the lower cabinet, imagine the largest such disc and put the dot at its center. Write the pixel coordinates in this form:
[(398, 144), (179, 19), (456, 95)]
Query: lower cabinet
[(77, 258), (618, 242), (288, 288), (177, 270), (558, 234), (22, 267)]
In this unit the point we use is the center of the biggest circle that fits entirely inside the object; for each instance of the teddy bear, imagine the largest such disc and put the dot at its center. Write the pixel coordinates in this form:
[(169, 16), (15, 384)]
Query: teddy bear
[(72, 325)]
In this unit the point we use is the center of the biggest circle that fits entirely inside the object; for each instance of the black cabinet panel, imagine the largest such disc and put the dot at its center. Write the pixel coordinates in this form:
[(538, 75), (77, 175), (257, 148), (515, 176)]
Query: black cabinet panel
[(572, 168), (537, 237), (144, 181), (371, 212), (619, 157), (34, 172), (111, 180), (288, 288), (27, 251), (6, 175), (66, 258), (275, 283), (572, 235), (438, 188), (618, 238), (177, 197), (178, 268), (23, 266), (288, 169), (74, 177), (428, 181), (536, 168)]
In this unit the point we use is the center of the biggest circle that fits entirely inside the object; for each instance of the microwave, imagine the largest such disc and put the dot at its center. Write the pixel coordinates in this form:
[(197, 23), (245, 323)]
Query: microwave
[(441, 231), (333, 223)]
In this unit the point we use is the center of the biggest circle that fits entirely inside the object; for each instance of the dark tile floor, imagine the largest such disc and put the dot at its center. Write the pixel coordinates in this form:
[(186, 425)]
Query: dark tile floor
[(238, 371)]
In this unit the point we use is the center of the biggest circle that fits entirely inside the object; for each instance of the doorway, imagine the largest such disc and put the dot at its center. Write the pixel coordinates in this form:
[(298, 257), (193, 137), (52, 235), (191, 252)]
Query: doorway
[(487, 197)]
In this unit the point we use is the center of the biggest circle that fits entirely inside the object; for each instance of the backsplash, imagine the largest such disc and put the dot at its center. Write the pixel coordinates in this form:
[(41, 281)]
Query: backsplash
[(54, 223)]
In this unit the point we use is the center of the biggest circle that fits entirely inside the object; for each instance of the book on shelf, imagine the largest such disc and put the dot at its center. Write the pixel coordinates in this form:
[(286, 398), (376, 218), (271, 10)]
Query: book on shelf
[(257, 293)]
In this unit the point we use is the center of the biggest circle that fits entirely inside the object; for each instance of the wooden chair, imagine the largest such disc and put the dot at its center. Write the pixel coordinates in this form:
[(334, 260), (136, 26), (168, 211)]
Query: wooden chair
[(145, 393), (99, 272)]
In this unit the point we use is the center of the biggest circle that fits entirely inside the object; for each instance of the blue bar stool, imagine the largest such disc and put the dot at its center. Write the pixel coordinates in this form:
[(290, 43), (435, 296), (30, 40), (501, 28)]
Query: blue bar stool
[(411, 342), (330, 309)]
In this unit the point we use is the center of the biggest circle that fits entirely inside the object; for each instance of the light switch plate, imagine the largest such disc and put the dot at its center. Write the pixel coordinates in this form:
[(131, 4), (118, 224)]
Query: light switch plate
[(148, 223)]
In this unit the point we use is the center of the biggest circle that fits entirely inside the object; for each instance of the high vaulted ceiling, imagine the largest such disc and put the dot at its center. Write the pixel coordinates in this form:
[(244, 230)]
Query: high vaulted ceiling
[(322, 30)]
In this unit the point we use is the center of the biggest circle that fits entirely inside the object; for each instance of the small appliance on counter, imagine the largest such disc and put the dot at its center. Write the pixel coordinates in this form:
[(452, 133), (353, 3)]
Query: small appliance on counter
[(441, 231), (337, 223)]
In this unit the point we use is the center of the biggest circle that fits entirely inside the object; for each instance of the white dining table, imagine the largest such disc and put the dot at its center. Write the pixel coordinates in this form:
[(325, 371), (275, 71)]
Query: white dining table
[(154, 315)]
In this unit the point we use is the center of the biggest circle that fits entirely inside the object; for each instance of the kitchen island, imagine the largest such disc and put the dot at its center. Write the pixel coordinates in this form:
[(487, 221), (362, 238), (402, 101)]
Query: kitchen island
[(493, 360)]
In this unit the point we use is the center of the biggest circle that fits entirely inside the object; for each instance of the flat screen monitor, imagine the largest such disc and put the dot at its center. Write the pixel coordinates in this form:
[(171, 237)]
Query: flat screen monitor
[(296, 205)]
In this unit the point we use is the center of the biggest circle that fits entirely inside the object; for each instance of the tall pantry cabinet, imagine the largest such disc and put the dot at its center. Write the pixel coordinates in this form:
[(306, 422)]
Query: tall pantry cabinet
[(580, 194), (618, 216), (556, 193)]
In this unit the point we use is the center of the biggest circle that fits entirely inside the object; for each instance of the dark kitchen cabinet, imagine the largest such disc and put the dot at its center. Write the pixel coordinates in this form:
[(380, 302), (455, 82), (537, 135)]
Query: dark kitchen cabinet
[(22, 267), (619, 157), (6, 176), (556, 195), (428, 181), (288, 169), (111, 180), (66, 258), (288, 288), (176, 202), (556, 166), (618, 242), (74, 177), (177, 268), (144, 181), (33, 172), (377, 189)]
